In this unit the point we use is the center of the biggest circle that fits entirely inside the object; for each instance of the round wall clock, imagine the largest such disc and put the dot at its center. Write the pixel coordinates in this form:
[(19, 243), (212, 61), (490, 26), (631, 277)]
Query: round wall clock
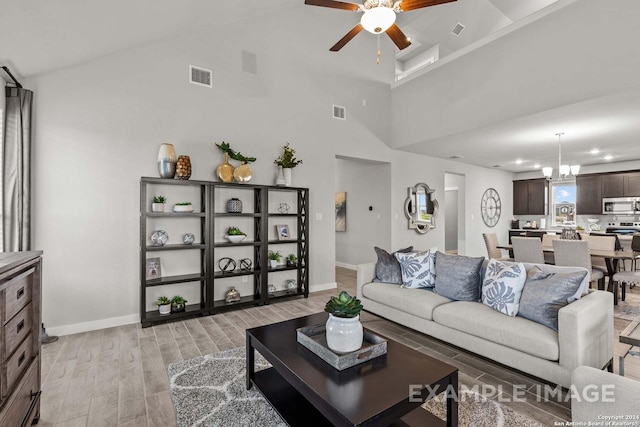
[(490, 207)]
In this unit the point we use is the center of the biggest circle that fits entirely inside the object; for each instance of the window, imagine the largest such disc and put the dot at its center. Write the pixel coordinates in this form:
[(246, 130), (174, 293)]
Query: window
[(563, 204)]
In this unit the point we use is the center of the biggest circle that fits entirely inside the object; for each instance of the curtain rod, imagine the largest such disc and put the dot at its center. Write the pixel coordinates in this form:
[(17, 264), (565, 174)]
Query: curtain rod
[(6, 70)]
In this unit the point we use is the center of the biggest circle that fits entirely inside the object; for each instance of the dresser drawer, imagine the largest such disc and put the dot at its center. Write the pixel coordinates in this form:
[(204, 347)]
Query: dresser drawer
[(15, 412), (16, 364), (16, 329), (17, 294)]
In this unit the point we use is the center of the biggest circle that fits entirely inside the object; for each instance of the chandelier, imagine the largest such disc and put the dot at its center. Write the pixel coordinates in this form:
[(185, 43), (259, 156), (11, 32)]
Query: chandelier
[(564, 171)]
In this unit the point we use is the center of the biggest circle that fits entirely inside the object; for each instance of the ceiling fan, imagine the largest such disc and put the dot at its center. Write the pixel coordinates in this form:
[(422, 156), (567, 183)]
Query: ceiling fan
[(379, 17)]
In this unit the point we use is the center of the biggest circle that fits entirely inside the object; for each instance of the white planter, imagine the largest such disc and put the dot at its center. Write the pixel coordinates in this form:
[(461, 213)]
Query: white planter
[(344, 335), (273, 263), (157, 207), (235, 238), (164, 309), (287, 176)]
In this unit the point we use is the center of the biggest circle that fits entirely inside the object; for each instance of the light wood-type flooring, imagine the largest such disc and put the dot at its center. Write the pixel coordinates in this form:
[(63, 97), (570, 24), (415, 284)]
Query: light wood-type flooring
[(118, 376)]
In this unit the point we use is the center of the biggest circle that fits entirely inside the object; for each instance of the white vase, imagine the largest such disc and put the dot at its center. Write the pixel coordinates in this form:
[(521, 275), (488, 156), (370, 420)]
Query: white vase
[(157, 207), (287, 176), (164, 309), (280, 176), (344, 335), (273, 263), (167, 160)]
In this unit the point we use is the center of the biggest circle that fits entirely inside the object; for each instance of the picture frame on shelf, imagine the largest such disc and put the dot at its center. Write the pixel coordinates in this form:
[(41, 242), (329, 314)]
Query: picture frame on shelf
[(282, 231), (153, 268)]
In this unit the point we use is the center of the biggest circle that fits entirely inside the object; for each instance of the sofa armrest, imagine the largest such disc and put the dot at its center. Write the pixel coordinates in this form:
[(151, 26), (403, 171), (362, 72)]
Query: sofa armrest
[(585, 331), (366, 273), (598, 394)]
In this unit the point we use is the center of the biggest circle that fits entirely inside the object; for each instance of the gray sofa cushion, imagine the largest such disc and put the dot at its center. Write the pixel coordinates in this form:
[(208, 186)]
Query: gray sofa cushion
[(502, 286), (544, 294), (514, 332), (388, 267), (419, 302), (458, 277), (418, 269)]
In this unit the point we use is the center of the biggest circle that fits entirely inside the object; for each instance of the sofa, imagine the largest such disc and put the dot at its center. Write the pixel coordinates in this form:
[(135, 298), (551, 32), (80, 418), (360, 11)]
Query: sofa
[(584, 335)]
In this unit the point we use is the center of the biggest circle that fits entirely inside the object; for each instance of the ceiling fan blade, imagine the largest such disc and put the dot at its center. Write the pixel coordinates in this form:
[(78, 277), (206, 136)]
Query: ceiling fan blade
[(334, 4), (408, 5), (351, 34), (395, 33)]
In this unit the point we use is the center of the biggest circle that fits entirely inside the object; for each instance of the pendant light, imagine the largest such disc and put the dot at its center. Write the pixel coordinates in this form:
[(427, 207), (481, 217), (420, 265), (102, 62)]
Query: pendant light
[(564, 171)]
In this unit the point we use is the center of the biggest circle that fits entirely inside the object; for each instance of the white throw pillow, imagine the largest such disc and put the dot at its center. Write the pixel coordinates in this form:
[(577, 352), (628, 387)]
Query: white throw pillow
[(502, 286), (418, 269)]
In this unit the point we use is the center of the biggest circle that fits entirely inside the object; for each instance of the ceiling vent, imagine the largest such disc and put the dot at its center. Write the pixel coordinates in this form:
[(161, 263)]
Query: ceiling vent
[(497, 166), (458, 29), (456, 156), (339, 112), (200, 76)]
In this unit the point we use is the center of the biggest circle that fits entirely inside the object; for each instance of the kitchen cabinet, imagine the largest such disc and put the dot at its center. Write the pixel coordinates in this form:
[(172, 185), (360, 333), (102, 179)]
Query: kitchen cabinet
[(613, 185), (632, 184), (589, 190), (530, 197)]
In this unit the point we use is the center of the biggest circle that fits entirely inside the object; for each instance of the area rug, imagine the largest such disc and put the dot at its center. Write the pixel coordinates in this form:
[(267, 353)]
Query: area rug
[(630, 308), (210, 391)]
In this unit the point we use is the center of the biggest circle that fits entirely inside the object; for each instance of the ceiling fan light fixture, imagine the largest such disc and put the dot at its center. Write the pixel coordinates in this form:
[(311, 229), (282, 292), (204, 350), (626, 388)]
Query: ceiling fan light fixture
[(378, 19)]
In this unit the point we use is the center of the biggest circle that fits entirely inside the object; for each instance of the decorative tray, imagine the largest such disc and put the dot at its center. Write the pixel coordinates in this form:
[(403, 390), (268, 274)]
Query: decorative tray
[(314, 338)]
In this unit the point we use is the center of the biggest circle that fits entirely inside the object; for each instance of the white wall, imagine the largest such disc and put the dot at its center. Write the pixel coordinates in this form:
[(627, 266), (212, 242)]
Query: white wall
[(99, 126), (366, 185)]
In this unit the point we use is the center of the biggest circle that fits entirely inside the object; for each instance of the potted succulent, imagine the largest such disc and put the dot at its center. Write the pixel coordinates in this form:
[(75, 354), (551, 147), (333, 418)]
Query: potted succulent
[(344, 330), (292, 260), (164, 305), (158, 204), (274, 258), (235, 235), (287, 161), (183, 207), (178, 304)]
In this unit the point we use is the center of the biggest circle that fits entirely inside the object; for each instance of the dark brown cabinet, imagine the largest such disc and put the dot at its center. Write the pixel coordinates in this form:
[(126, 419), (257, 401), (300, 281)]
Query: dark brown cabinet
[(589, 194), (530, 197), (632, 184), (613, 185)]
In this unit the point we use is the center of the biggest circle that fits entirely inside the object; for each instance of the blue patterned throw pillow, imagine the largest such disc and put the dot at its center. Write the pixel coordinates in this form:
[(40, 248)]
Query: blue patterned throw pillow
[(418, 269), (502, 286)]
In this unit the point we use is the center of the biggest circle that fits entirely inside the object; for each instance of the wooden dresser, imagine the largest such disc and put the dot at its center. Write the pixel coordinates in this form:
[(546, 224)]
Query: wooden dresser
[(20, 318)]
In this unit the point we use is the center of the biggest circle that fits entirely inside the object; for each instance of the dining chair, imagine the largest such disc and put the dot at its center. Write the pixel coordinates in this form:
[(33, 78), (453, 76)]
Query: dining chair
[(547, 242), (600, 242), (527, 249), (632, 277), (491, 242), (575, 253)]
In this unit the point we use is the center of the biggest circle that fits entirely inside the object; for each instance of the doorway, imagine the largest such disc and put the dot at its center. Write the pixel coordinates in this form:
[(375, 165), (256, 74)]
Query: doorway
[(454, 208)]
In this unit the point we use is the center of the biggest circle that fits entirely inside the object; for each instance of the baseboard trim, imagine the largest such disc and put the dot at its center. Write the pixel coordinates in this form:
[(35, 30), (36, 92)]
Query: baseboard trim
[(94, 325), (323, 287), (345, 265)]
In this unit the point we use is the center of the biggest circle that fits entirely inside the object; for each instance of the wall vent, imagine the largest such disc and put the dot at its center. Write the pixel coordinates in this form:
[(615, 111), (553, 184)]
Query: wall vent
[(200, 76), (339, 112), (458, 29)]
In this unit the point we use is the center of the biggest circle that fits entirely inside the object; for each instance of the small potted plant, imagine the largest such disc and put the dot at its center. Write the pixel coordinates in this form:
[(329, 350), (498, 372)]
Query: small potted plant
[(344, 330), (287, 161), (183, 207), (158, 204), (274, 258), (178, 304), (164, 305), (292, 260), (235, 235)]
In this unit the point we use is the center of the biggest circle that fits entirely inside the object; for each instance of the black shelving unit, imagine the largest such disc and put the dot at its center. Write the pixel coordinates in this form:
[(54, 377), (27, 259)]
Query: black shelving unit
[(210, 251)]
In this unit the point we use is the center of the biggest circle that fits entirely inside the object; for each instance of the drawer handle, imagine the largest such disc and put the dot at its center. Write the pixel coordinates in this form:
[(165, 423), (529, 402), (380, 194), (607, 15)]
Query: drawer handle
[(21, 358), (20, 293), (20, 326)]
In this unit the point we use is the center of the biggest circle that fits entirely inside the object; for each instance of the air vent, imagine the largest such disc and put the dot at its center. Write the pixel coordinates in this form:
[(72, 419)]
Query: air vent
[(339, 112), (200, 76), (456, 156), (497, 166), (458, 29)]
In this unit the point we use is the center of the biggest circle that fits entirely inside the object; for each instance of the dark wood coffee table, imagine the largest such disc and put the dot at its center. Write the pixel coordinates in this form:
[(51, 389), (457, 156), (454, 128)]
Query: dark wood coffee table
[(387, 390)]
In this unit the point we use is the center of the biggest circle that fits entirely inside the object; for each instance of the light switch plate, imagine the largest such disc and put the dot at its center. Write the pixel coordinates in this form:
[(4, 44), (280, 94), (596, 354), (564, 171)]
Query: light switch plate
[(318, 217)]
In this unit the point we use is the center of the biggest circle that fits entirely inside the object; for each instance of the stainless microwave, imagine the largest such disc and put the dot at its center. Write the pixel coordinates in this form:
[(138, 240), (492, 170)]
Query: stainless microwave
[(621, 205)]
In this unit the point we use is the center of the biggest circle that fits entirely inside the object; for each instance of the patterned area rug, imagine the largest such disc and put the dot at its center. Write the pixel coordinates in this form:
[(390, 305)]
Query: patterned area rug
[(630, 308), (210, 391)]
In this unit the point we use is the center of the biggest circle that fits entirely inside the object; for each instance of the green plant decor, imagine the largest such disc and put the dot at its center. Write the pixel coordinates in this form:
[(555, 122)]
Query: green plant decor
[(344, 305), (177, 299), (235, 231), (163, 301), (235, 155), (292, 258), (288, 158), (183, 204), (274, 255), (159, 199)]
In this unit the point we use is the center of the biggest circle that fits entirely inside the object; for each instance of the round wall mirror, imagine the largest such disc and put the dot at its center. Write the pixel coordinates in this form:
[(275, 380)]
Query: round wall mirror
[(421, 208)]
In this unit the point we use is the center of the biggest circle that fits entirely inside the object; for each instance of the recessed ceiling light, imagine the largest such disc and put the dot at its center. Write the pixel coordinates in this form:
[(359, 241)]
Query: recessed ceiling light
[(518, 162), (608, 157), (537, 166), (594, 151), (456, 156)]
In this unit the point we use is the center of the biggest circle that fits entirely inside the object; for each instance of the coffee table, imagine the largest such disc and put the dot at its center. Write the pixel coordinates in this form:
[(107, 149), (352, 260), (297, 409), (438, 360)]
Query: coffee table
[(385, 391), (631, 336)]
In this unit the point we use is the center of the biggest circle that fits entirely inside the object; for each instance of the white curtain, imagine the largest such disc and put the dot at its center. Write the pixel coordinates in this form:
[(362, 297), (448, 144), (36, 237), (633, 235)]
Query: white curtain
[(16, 171)]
